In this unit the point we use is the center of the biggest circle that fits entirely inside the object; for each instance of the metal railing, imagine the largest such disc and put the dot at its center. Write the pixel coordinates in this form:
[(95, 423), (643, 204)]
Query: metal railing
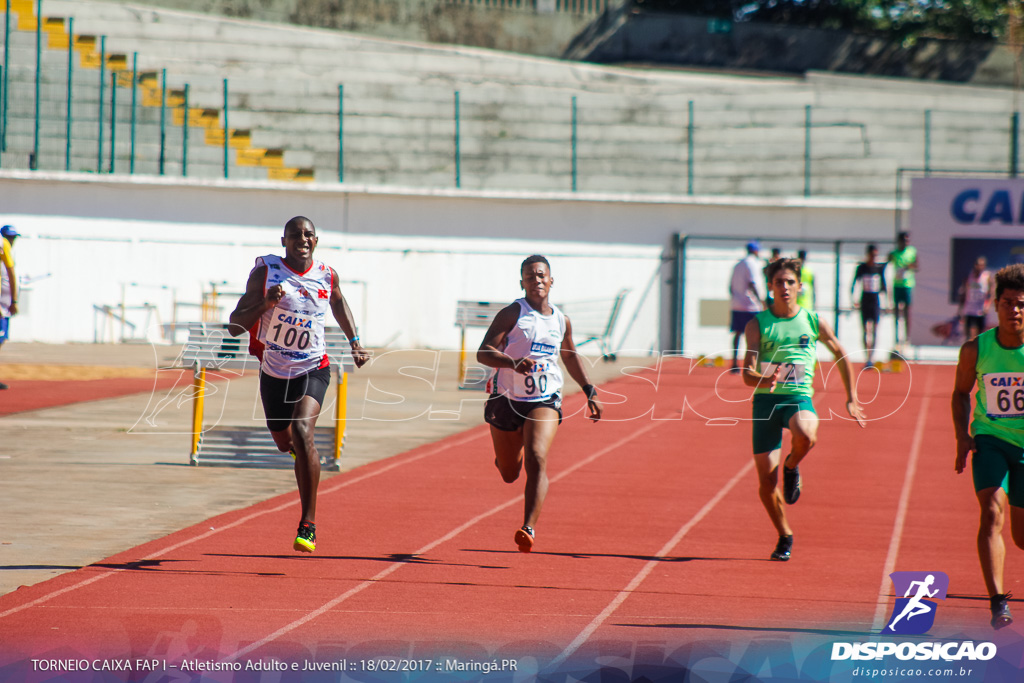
[(582, 138)]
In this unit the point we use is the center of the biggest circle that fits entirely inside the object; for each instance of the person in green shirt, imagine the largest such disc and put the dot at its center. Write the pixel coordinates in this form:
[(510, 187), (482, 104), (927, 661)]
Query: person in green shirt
[(779, 363), (994, 361), (904, 260), (806, 296)]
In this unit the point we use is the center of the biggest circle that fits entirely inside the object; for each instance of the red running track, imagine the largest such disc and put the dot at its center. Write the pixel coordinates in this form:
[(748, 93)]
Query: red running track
[(652, 543)]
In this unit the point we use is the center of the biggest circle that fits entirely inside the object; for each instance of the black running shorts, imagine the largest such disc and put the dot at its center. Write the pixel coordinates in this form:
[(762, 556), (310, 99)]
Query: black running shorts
[(503, 413), (279, 396)]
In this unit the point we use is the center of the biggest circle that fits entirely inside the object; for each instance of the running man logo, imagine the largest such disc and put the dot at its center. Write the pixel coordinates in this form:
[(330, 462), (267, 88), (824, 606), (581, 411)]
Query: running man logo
[(914, 613)]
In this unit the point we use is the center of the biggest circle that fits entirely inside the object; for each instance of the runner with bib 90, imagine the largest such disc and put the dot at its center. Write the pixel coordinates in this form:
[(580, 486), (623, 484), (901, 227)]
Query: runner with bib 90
[(781, 357), (524, 342)]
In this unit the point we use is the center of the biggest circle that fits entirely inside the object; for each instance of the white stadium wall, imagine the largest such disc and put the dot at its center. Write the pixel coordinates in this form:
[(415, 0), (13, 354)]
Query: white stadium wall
[(407, 255)]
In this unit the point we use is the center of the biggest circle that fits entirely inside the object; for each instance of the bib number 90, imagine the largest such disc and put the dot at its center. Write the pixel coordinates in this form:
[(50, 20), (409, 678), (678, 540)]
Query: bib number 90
[(535, 384)]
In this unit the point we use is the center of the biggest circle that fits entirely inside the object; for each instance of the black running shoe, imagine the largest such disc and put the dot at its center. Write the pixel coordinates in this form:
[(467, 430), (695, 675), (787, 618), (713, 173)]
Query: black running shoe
[(791, 484), (783, 549), (3, 386), (305, 539), (524, 539), (999, 604)]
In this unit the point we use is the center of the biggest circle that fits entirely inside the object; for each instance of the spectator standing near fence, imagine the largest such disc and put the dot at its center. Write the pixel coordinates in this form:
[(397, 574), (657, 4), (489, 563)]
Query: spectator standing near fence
[(976, 296), (285, 308), (8, 283), (994, 361), (745, 294), (904, 260), (524, 342), (870, 279), (781, 356), (775, 256), (806, 297)]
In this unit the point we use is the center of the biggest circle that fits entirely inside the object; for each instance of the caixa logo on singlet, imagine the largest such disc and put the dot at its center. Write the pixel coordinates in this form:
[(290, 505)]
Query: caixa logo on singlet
[(914, 613), (546, 349)]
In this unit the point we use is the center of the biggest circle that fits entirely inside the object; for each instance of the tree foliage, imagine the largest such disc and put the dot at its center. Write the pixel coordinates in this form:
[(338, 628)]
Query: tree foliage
[(904, 20)]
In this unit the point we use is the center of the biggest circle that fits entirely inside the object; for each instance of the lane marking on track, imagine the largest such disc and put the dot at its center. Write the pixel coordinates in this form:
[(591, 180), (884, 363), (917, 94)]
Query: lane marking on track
[(430, 546), (327, 490), (882, 605), (649, 567)]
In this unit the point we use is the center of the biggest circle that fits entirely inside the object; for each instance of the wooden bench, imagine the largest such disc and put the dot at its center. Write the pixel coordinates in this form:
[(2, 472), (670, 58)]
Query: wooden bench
[(211, 347)]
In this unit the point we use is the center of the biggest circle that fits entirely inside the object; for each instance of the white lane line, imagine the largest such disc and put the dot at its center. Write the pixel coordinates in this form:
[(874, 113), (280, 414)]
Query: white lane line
[(649, 567), (430, 546), (882, 606), (327, 490)]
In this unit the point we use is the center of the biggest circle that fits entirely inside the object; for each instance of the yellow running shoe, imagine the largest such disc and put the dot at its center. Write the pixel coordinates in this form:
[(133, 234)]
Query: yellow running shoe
[(305, 540)]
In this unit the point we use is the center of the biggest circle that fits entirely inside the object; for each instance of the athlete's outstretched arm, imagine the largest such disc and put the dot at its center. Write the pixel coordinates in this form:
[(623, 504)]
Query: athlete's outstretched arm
[(253, 304), (490, 353), (966, 376), (751, 377), (343, 316), (573, 364), (827, 337)]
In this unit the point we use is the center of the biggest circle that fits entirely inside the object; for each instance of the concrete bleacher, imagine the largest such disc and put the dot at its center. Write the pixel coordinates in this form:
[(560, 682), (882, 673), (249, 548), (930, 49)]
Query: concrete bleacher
[(515, 117)]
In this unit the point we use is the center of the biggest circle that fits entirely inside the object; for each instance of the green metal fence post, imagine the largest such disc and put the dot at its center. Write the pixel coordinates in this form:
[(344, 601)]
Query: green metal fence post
[(163, 120), (67, 117), (458, 150), (807, 150), (113, 117), (574, 143), (341, 133), (835, 324), (689, 150), (927, 142), (135, 80), (7, 61), (1014, 143), (184, 138), (227, 130), (39, 68), (103, 82)]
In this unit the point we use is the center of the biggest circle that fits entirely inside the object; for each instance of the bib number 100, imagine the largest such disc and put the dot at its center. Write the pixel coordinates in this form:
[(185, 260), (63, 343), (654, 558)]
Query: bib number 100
[(292, 338)]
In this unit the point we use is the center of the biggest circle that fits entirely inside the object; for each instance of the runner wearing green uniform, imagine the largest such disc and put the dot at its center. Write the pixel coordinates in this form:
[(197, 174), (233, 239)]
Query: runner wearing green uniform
[(994, 360), (780, 362), (904, 260), (806, 296)]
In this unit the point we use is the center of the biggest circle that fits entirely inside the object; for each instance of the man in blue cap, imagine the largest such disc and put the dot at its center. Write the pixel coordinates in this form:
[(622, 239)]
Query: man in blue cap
[(8, 282), (745, 292)]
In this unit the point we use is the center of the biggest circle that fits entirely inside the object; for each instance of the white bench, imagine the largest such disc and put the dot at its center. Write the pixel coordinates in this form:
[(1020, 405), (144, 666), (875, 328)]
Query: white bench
[(211, 347), (474, 314), (594, 321)]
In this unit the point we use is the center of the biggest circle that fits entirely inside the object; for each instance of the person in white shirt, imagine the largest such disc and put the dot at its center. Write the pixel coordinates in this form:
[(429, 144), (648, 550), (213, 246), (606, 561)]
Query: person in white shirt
[(976, 296), (745, 292)]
